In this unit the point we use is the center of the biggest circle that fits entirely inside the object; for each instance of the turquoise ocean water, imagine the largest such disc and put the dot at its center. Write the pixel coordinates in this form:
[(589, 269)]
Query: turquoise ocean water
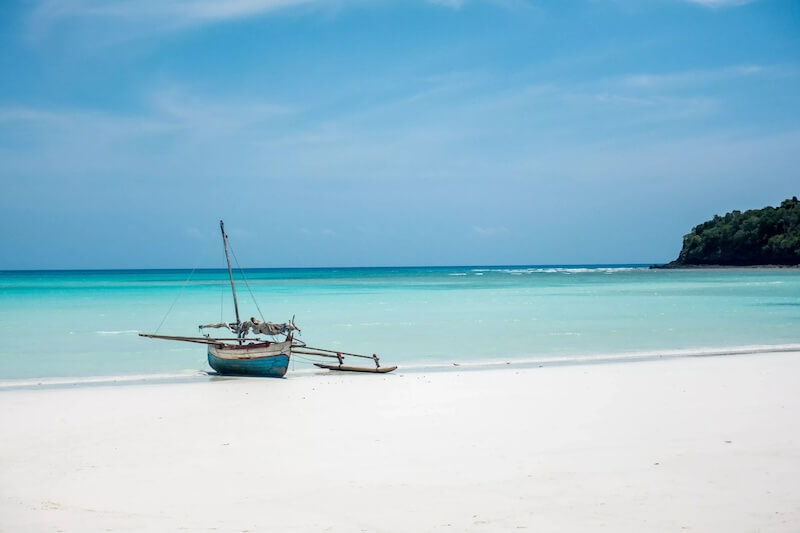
[(83, 324)]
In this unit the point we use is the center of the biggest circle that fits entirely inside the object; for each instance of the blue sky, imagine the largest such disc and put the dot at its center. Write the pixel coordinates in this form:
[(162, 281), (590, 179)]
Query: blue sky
[(349, 133)]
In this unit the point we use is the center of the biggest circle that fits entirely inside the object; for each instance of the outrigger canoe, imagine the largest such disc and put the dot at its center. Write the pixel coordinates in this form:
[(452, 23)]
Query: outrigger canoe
[(254, 355), (347, 368)]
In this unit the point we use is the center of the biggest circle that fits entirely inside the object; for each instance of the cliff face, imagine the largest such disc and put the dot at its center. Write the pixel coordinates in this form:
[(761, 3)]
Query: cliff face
[(768, 236)]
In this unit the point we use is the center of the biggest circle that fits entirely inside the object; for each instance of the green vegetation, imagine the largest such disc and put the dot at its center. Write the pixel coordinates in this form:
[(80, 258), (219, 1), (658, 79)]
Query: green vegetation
[(768, 236)]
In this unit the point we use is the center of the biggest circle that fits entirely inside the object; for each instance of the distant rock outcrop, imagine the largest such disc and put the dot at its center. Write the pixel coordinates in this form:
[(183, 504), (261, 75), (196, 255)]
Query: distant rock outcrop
[(768, 236)]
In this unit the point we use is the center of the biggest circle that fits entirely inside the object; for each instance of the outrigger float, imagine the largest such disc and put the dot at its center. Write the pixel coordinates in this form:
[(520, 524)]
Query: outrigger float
[(255, 355)]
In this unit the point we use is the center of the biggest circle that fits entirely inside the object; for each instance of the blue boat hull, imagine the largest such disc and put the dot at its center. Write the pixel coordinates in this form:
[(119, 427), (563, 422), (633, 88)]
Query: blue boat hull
[(270, 361)]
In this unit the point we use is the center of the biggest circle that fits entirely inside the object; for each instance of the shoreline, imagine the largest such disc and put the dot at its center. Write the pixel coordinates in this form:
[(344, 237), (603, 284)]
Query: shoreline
[(201, 375), (697, 443)]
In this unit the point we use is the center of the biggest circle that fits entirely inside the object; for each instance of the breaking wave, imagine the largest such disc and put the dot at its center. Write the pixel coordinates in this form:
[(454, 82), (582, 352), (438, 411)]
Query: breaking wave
[(560, 270)]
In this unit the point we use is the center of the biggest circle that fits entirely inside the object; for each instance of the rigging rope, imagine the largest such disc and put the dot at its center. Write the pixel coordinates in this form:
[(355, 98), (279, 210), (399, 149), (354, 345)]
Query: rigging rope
[(222, 302), (304, 359), (223, 288), (244, 277), (177, 297)]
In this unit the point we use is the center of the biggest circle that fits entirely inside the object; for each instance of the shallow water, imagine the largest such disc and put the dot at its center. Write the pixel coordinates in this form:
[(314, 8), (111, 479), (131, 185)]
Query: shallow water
[(80, 324)]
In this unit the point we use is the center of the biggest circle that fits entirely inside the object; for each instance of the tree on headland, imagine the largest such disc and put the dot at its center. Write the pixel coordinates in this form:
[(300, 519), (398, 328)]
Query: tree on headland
[(768, 236)]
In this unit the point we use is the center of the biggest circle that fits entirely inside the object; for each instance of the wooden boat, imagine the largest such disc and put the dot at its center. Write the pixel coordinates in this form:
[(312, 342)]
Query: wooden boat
[(243, 355), (257, 359), (256, 356)]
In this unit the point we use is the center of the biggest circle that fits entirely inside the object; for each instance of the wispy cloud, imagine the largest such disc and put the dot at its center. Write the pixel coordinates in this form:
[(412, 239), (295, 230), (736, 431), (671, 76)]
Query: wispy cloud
[(454, 4), (482, 231), (184, 109), (432, 127), (28, 114), (142, 17), (123, 20), (717, 4), (168, 109), (54, 121), (176, 132), (178, 11), (700, 77)]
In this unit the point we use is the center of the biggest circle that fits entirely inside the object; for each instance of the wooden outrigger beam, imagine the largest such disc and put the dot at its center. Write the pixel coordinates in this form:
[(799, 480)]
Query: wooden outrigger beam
[(320, 354), (199, 340), (323, 352), (204, 340), (332, 353)]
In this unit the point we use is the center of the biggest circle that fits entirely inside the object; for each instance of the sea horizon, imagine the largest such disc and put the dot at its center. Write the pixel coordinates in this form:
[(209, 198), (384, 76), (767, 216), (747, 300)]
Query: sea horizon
[(644, 265), (224, 269)]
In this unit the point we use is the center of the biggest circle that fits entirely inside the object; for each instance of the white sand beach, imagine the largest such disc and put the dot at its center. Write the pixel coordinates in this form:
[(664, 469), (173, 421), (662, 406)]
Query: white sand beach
[(694, 444)]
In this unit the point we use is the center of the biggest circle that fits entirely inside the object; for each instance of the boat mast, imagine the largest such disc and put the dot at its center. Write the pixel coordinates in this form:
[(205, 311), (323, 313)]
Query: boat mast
[(230, 271)]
